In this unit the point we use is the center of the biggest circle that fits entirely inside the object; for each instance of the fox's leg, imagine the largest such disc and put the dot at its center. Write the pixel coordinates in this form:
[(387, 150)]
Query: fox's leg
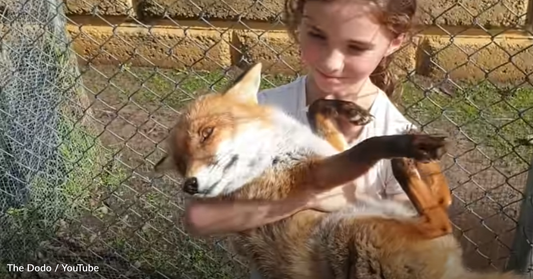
[(430, 195), (323, 116), (341, 168), (431, 174)]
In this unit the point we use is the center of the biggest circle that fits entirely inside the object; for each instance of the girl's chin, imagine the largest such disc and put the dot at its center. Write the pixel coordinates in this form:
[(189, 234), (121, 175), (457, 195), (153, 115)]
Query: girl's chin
[(330, 85)]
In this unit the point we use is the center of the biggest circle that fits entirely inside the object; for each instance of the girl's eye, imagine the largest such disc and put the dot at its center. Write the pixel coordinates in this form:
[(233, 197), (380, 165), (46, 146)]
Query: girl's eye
[(359, 49), (315, 35), (356, 49)]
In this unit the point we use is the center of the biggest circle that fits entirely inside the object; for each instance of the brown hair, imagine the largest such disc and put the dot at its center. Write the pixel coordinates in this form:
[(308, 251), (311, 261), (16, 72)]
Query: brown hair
[(396, 15)]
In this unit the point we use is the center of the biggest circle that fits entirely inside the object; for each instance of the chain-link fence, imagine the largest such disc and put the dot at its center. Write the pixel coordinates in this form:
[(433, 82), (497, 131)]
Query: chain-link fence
[(87, 99)]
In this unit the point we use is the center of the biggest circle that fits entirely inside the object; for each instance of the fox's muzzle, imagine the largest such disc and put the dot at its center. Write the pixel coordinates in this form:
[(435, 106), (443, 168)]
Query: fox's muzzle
[(190, 185)]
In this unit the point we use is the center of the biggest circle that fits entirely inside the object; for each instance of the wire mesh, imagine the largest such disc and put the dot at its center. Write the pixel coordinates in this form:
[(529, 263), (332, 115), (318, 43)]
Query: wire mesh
[(85, 113), (36, 82)]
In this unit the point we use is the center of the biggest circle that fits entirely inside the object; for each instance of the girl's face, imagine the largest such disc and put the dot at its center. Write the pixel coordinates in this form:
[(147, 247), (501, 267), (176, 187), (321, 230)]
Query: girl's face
[(342, 44)]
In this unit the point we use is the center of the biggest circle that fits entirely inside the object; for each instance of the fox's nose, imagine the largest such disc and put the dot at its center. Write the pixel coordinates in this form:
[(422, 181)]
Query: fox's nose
[(190, 185)]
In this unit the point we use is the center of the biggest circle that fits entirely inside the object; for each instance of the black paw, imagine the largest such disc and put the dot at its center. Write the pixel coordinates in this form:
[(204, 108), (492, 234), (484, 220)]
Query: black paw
[(425, 148)]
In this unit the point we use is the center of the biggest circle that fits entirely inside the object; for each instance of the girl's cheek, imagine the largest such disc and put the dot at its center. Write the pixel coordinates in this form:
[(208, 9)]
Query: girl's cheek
[(310, 53), (360, 66)]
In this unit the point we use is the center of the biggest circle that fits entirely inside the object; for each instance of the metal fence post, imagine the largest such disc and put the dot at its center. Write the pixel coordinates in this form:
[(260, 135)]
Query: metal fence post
[(520, 259)]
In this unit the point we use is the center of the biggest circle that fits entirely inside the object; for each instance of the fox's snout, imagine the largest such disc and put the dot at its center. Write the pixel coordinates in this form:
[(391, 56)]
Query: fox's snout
[(190, 185)]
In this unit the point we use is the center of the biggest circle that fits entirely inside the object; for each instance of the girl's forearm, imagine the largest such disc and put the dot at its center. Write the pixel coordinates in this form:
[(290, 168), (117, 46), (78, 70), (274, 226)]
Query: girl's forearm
[(219, 217)]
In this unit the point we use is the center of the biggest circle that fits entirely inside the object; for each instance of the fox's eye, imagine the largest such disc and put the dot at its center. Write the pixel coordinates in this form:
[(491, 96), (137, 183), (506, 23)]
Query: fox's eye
[(206, 133)]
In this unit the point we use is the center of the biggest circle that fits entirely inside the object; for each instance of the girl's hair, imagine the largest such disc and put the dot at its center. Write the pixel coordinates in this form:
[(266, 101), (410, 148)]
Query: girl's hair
[(395, 15)]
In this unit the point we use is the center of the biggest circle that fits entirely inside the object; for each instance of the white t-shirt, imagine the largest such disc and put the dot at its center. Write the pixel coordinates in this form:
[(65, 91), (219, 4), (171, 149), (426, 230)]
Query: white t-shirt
[(379, 181)]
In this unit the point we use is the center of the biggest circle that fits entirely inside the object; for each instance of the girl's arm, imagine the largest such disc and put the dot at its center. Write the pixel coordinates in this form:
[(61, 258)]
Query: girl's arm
[(204, 218)]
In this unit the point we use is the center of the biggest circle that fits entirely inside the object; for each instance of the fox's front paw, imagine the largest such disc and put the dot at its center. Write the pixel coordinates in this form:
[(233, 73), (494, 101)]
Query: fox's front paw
[(334, 109), (353, 113), (424, 148)]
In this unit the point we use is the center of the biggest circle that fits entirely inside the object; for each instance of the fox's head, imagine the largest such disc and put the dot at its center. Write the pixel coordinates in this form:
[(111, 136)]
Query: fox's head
[(218, 143)]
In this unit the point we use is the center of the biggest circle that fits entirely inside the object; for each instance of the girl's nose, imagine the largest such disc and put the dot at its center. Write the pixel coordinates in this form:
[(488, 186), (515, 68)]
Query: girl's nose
[(332, 62)]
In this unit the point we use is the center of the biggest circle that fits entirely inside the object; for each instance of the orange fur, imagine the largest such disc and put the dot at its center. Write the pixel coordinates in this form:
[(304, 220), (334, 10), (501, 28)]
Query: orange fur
[(430, 195)]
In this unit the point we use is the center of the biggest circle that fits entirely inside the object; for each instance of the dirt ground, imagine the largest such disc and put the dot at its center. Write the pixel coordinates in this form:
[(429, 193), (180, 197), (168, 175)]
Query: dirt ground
[(131, 119)]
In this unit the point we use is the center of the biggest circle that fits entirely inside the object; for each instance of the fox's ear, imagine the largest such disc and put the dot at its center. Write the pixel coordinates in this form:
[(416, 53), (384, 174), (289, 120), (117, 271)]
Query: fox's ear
[(247, 85)]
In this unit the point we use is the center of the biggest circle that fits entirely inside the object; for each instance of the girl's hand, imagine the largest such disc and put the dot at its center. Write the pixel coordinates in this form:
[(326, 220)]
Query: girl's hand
[(331, 200)]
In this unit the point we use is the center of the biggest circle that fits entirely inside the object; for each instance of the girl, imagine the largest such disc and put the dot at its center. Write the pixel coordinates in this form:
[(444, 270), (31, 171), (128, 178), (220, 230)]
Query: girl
[(346, 47)]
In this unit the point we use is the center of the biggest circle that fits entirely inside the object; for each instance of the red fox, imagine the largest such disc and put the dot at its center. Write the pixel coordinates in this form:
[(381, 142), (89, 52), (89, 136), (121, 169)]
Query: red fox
[(227, 146)]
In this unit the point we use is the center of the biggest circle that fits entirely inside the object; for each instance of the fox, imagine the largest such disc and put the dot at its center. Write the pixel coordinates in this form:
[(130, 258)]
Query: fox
[(225, 145)]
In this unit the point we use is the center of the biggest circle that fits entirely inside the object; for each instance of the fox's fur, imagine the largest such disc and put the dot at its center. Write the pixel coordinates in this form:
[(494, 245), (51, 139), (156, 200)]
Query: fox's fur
[(236, 149)]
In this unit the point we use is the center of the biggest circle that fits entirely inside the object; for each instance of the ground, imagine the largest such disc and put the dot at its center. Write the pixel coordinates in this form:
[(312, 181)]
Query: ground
[(133, 216)]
